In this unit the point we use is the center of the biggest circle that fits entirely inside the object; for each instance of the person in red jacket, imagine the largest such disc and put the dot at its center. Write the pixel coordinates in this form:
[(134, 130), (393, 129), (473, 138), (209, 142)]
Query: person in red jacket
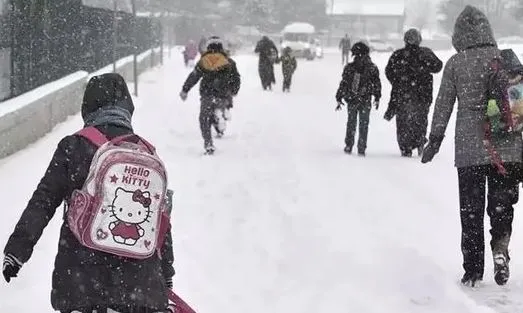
[(85, 280)]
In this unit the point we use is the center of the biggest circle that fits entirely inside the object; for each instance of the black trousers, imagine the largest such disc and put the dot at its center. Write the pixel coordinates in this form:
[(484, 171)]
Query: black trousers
[(210, 107), (502, 194), (287, 81), (357, 111)]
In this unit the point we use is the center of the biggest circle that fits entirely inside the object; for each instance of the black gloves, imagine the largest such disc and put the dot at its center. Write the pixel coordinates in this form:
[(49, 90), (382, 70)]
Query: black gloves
[(11, 267), (340, 104), (389, 114), (432, 148), (376, 103)]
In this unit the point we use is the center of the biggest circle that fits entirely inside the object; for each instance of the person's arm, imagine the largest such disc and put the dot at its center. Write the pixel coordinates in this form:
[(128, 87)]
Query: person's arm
[(432, 62), (49, 194), (444, 102), (376, 83), (344, 84), (234, 79), (168, 260), (391, 70), (193, 78)]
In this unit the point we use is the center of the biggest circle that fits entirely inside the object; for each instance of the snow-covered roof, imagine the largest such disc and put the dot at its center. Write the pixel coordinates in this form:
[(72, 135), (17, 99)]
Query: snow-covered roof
[(122, 5), (366, 7), (299, 28), (148, 14)]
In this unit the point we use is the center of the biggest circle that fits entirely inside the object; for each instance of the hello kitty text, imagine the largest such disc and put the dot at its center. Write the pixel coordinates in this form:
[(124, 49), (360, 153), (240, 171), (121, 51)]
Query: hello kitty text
[(136, 176)]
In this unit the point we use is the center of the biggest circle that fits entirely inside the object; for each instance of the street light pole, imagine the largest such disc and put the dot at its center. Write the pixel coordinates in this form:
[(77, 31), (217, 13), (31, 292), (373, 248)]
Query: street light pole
[(115, 30), (135, 50)]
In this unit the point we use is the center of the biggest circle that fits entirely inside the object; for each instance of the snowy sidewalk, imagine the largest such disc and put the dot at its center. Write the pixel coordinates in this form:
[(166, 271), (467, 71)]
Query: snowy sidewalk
[(280, 220)]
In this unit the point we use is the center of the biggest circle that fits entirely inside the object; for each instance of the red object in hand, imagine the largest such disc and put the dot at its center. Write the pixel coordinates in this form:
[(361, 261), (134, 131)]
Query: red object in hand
[(178, 306)]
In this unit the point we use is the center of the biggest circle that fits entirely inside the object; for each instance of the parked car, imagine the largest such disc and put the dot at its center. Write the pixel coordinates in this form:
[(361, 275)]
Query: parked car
[(380, 45), (299, 37)]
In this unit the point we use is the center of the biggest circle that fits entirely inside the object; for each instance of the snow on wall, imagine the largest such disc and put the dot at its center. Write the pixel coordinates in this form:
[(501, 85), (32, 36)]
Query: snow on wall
[(39, 93), (30, 116)]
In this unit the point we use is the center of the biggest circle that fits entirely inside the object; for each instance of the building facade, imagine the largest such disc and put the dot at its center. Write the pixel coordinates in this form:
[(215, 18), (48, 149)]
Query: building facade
[(369, 18)]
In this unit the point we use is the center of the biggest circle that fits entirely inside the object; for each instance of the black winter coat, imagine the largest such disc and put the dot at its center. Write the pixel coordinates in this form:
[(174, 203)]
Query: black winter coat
[(288, 65), (219, 75), (410, 70), (267, 53), (369, 82), (82, 277)]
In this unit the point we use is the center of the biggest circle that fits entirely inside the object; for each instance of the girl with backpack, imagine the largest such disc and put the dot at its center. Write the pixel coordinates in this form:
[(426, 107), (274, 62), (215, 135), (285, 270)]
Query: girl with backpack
[(360, 82), (87, 279), (466, 79)]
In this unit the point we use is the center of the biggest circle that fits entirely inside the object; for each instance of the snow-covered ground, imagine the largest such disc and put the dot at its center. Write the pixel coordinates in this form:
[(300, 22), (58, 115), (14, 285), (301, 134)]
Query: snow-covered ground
[(280, 220)]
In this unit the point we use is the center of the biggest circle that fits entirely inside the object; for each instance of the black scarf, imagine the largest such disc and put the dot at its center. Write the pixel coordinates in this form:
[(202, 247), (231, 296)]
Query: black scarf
[(109, 115)]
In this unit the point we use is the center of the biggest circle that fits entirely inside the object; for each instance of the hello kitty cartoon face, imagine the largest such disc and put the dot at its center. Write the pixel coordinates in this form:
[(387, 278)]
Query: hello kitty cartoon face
[(131, 207)]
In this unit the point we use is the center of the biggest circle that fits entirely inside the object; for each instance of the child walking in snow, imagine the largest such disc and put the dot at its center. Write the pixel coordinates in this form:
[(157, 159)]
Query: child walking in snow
[(360, 82), (84, 279), (220, 81), (288, 65)]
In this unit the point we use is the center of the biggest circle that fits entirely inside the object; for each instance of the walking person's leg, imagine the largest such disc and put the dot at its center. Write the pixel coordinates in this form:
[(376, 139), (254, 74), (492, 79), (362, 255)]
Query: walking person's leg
[(364, 118), (472, 182), (286, 82), (503, 193), (402, 133), (206, 121), (219, 116), (352, 116)]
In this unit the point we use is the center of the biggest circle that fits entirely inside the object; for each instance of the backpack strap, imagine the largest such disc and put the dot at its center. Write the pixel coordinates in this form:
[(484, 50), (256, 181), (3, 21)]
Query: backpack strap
[(495, 158), (93, 135), (144, 142)]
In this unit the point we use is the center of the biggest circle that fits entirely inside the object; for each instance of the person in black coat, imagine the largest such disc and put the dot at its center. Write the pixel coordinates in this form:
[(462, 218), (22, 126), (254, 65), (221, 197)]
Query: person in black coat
[(410, 71), (345, 49), (84, 279), (220, 81), (268, 55), (360, 82), (288, 66)]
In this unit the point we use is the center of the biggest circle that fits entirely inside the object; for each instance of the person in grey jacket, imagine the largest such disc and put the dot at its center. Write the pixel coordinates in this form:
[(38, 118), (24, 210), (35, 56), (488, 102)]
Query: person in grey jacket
[(465, 79)]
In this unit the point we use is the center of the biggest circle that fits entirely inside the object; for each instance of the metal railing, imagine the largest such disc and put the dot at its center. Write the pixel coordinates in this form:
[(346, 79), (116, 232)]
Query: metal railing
[(41, 41)]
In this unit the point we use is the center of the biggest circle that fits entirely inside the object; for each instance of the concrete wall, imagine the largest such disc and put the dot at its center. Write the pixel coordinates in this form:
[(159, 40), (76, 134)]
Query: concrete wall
[(30, 116)]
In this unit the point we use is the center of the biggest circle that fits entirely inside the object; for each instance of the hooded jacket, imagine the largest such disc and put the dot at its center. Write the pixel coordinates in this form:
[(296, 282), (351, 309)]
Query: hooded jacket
[(410, 70), (85, 278), (465, 79), (288, 62), (369, 84), (219, 75)]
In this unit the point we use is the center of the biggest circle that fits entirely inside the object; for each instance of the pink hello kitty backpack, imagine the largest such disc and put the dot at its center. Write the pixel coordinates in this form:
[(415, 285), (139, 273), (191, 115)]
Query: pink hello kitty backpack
[(121, 208)]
